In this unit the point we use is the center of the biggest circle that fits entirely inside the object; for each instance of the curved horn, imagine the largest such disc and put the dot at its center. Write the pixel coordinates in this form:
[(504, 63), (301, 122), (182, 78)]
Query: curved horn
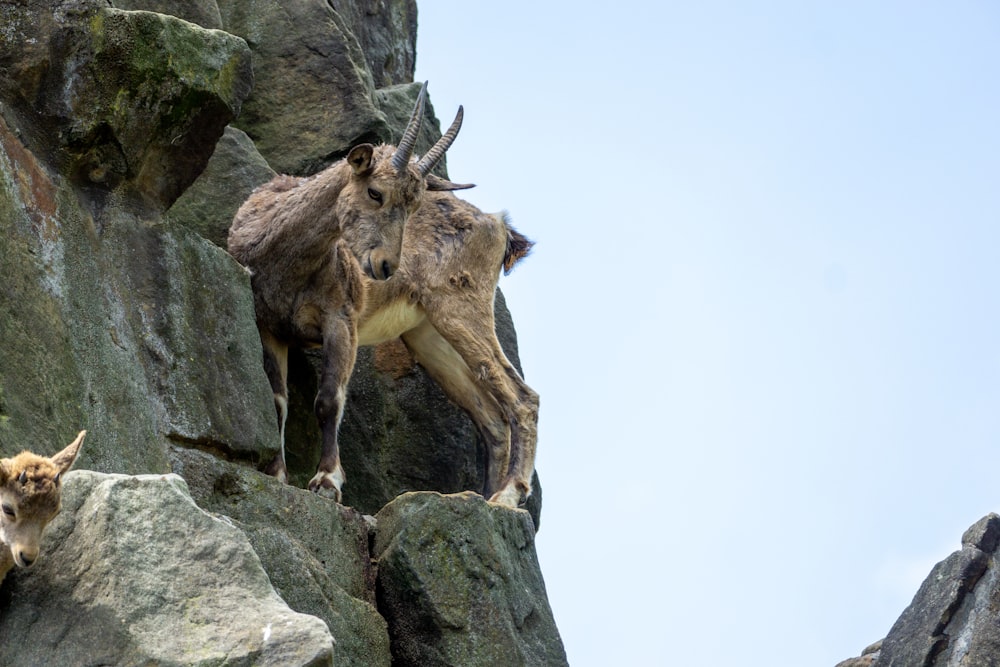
[(405, 148), (434, 155)]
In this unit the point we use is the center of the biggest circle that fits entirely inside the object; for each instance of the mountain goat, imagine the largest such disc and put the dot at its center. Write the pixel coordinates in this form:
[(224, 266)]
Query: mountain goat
[(440, 302), (30, 494), (305, 241)]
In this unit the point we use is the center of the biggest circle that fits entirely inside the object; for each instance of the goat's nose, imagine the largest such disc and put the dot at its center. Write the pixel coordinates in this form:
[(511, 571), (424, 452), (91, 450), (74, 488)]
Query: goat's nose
[(27, 560)]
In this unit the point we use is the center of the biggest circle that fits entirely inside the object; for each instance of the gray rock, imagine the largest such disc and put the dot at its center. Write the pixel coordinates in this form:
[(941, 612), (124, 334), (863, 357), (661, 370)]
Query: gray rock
[(234, 170), (954, 617), (459, 584), (313, 96), (387, 33), (203, 12), (126, 101), (133, 572), (314, 551), (107, 315), (196, 339), (866, 659)]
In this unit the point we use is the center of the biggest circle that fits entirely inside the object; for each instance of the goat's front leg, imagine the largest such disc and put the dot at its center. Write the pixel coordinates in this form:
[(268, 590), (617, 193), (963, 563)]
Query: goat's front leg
[(276, 367), (340, 347)]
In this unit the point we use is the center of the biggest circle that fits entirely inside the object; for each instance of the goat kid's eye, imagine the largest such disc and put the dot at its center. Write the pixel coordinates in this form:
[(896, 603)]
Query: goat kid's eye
[(9, 511), (375, 195)]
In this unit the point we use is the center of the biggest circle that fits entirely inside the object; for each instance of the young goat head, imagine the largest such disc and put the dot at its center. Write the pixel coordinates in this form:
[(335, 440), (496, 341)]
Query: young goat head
[(30, 496), (308, 244)]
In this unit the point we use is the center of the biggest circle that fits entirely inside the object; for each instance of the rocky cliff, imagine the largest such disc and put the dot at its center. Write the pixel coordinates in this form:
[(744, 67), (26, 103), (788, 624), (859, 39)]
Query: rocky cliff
[(130, 132), (954, 618)]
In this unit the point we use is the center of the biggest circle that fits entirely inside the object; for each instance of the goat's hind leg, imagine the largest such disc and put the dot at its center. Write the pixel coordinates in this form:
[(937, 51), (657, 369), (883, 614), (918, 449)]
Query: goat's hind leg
[(449, 370), (470, 330), (276, 367)]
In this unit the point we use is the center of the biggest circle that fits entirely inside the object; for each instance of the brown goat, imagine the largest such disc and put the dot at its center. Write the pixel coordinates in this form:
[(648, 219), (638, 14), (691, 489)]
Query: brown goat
[(440, 301), (302, 240), (30, 495)]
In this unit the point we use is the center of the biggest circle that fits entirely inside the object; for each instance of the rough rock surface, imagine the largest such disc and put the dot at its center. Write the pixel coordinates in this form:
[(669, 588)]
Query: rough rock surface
[(867, 657), (954, 618), (313, 97), (110, 319), (107, 572), (120, 100), (314, 551), (120, 313), (458, 581)]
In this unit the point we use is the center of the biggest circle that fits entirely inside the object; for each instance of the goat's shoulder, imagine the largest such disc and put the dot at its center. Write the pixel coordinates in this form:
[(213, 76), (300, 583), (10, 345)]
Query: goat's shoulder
[(281, 183)]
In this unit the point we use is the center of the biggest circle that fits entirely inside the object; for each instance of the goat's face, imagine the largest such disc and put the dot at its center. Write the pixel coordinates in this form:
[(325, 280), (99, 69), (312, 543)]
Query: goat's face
[(29, 499), (30, 494), (374, 206)]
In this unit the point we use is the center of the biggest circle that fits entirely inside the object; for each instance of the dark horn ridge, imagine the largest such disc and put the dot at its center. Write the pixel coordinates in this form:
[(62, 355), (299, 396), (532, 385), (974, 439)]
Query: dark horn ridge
[(405, 148), (434, 155)]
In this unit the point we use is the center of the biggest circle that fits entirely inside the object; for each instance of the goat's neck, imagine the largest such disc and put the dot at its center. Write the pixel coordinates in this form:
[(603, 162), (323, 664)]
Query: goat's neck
[(310, 226)]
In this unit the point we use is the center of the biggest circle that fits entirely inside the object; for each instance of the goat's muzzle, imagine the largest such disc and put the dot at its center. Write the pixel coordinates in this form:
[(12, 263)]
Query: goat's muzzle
[(377, 267)]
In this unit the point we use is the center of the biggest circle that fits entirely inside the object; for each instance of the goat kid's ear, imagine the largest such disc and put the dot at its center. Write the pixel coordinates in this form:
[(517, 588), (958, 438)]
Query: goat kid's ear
[(438, 184), (65, 459), (360, 158), (4, 471)]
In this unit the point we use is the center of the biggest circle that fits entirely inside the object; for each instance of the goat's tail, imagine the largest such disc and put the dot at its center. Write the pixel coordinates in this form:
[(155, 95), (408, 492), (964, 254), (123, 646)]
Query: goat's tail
[(518, 246)]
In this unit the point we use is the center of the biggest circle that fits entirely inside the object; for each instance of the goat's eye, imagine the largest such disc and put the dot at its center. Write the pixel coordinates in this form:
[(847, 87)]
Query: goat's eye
[(9, 511), (375, 194)]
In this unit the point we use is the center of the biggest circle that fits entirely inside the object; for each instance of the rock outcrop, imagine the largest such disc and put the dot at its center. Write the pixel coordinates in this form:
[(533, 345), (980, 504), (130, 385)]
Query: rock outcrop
[(129, 135), (954, 618), (111, 590), (454, 598)]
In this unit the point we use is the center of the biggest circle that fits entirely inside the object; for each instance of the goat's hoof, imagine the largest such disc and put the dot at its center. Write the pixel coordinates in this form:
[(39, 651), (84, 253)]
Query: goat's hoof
[(327, 484), (276, 469), (509, 496)]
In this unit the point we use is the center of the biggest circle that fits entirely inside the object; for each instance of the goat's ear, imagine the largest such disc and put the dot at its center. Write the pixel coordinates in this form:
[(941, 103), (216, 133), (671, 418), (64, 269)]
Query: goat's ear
[(360, 158), (4, 471), (64, 459), (438, 184)]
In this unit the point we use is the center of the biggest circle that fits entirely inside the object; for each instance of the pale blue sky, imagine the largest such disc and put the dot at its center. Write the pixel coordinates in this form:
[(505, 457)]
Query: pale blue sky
[(762, 311)]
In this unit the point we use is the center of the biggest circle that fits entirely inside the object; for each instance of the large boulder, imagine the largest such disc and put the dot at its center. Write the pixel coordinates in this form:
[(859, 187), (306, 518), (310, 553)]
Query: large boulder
[(313, 98), (208, 206), (107, 316), (203, 12), (314, 551), (387, 34), (954, 619), (133, 572), (131, 101), (459, 584)]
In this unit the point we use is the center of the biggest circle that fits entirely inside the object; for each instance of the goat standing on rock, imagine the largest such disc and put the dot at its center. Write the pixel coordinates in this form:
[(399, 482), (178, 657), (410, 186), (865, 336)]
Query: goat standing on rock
[(305, 242), (302, 240), (30, 494), (440, 302)]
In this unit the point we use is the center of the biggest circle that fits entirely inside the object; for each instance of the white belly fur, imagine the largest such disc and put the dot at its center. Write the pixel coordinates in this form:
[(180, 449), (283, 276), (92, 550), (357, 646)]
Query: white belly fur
[(389, 322)]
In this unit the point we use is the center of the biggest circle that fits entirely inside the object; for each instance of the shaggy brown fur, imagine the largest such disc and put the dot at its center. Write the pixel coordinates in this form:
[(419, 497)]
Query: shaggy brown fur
[(30, 494), (308, 243), (440, 301)]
